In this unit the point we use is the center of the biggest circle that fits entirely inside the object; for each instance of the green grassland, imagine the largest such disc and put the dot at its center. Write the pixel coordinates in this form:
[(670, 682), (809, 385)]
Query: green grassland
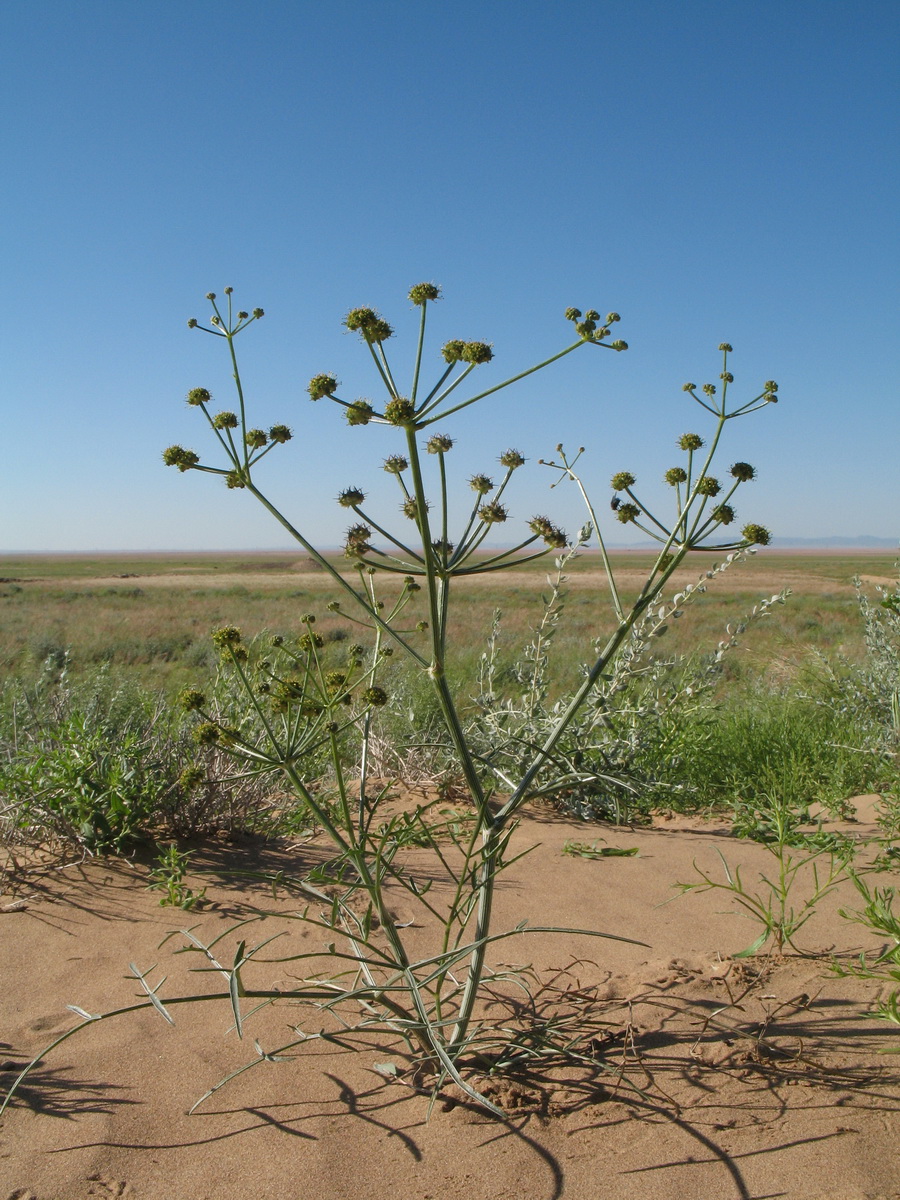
[(153, 614)]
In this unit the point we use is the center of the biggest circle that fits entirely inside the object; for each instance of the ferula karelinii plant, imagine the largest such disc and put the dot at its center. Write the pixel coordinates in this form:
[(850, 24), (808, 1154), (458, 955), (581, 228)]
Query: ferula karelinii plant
[(299, 699)]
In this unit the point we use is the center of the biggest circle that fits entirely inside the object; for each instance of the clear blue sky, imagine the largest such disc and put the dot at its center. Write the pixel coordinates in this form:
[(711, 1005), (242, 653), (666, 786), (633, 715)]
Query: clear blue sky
[(713, 171)]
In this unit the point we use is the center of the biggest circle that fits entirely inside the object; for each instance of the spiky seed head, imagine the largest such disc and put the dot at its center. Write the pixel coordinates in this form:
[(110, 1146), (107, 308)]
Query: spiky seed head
[(360, 412), (627, 513), (198, 396), (493, 513), (310, 641), (675, 475), (225, 420), (511, 459), (743, 472), (410, 508), (400, 411), (540, 525), (690, 441), (481, 484), (280, 433), (439, 444), (234, 479), (621, 481), (375, 696), (207, 734), (256, 439), (351, 498), (396, 464), (724, 514), (423, 292), (453, 350), (756, 535), (191, 699)]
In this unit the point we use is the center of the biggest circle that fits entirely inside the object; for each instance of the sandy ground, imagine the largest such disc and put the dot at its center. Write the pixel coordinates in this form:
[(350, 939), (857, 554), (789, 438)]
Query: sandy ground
[(713, 1077)]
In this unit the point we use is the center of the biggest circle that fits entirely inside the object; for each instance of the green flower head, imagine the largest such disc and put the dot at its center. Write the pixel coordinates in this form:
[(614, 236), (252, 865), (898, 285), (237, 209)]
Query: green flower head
[(724, 514), (675, 475), (439, 444), (177, 456), (256, 439), (206, 734), (756, 535), (227, 637), (191, 778), (690, 441), (726, 347), (627, 513), (477, 353), (621, 481), (422, 292), (743, 472), (225, 420), (481, 484), (360, 412), (511, 459), (234, 479), (321, 385), (198, 396), (453, 350), (619, 344), (573, 314), (375, 696), (280, 433), (191, 699), (368, 322), (707, 485), (400, 411)]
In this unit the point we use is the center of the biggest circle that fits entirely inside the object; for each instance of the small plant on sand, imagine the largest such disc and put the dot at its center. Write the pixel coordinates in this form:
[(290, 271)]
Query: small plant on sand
[(168, 877), (304, 700), (812, 864), (879, 917)]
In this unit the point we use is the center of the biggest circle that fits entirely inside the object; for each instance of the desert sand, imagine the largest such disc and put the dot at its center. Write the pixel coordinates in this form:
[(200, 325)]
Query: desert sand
[(713, 1077)]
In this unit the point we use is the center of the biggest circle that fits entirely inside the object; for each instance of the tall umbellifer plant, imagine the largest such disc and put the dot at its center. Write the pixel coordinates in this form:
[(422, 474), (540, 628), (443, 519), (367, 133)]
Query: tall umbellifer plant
[(300, 700)]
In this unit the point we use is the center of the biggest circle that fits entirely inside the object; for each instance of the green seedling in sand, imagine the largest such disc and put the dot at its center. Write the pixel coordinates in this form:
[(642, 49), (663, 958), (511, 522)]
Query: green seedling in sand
[(168, 877)]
